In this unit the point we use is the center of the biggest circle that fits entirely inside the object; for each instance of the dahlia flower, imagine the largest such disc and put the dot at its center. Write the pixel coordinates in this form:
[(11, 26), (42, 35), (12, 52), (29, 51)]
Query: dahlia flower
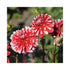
[(8, 53), (58, 28), (56, 41), (24, 40), (42, 24)]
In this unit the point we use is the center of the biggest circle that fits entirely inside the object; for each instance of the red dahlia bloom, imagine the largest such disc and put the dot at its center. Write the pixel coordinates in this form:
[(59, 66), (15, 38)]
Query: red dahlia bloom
[(62, 31), (42, 24), (8, 53), (58, 27), (24, 40)]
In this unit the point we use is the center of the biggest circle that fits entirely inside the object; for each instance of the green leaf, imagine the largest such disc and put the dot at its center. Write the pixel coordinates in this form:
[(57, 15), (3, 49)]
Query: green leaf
[(16, 59), (8, 42), (50, 55), (10, 23), (12, 8), (8, 16), (13, 59), (9, 33), (16, 15), (38, 60)]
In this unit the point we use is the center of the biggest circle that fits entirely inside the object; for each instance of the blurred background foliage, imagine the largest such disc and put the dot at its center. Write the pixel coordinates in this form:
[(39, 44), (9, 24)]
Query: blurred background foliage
[(13, 12), (55, 12)]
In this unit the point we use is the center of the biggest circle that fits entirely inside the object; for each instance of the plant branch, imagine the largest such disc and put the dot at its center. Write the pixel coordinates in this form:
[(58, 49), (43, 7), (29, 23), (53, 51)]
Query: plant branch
[(23, 58)]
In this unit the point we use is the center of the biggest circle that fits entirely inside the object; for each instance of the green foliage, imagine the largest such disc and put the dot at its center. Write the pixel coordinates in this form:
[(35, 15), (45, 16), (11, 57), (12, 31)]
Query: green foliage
[(16, 59), (8, 42), (12, 8), (25, 61), (13, 59), (55, 12), (61, 41), (58, 54), (49, 47), (16, 15), (50, 55), (48, 41), (13, 12), (10, 23), (38, 60), (8, 16), (50, 60), (9, 33)]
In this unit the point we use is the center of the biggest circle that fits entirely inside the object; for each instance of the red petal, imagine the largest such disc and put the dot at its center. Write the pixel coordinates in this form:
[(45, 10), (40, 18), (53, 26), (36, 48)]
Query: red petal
[(8, 46), (44, 15), (49, 29), (50, 20), (51, 24), (41, 15), (40, 35), (8, 60), (47, 17), (8, 53)]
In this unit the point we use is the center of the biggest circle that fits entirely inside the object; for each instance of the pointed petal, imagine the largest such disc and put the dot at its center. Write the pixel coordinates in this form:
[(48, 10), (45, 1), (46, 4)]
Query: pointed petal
[(8, 53), (40, 33), (49, 29)]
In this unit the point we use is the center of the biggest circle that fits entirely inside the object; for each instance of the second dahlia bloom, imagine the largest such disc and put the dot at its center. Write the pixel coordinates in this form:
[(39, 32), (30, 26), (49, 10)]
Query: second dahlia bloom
[(24, 40), (8, 53), (42, 24), (58, 27), (56, 41)]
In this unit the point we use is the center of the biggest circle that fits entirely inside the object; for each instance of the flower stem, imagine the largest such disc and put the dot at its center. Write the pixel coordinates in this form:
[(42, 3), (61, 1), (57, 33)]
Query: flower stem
[(17, 59), (43, 49), (23, 58), (54, 54), (33, 54)]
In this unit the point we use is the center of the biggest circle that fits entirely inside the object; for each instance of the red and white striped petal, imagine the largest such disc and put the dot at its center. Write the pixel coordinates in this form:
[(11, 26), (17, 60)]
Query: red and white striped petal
[(42, 24), (22, 40)]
